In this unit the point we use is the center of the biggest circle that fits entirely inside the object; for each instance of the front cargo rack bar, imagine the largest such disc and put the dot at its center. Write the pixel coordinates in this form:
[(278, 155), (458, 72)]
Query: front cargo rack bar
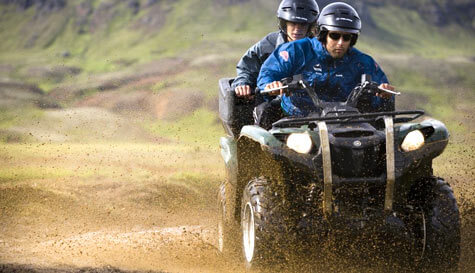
[(352, 118)]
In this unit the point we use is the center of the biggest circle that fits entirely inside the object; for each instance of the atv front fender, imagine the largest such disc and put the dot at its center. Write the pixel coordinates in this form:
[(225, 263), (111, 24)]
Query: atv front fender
[(228, 147), (438, 131), (260, 136), (436, 140)]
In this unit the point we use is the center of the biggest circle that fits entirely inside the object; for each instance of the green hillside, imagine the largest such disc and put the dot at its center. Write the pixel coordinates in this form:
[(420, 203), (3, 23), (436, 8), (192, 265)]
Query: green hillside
[(103, 35), (75, 50), (113, 33)]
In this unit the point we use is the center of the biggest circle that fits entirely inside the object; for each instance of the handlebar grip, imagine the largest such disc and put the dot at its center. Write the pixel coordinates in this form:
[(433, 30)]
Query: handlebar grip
[(255, 91), (287, 80)]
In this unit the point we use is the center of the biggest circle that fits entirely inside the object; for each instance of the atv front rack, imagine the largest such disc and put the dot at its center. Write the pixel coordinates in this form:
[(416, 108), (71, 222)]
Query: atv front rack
[(398, 117), (389, 120), (328, 173)]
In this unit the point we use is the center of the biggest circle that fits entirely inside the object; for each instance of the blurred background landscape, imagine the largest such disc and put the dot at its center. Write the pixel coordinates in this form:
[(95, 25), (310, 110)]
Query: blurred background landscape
[(131, 58), (108, 116)]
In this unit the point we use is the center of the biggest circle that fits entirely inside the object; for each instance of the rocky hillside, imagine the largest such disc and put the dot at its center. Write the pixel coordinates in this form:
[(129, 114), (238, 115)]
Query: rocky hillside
[(88, 16), (153, 29), (130, 57), (439, 12)]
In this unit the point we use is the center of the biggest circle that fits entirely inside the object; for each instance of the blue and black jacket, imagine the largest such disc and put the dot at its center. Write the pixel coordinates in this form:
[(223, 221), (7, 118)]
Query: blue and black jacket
[(333, 79)]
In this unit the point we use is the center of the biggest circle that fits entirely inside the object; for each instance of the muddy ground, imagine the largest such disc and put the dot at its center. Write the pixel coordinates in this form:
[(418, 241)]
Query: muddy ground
[(142, 217)]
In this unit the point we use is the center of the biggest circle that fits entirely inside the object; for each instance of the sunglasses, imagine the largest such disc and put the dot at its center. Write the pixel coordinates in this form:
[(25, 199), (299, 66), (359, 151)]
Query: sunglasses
[(336, 36)]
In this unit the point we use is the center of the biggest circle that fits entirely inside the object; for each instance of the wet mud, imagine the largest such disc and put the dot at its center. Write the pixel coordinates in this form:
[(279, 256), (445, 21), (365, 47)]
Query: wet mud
[(61, 234)]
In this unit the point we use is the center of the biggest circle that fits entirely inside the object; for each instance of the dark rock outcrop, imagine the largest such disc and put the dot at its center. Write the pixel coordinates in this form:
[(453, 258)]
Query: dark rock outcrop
[(83, 11), (438, 13), (43, 5), (134, 6)]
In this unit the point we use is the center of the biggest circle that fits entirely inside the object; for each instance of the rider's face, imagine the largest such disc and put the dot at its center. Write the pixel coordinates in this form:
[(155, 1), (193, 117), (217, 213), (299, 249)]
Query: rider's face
[(338, 43), (296, 31)]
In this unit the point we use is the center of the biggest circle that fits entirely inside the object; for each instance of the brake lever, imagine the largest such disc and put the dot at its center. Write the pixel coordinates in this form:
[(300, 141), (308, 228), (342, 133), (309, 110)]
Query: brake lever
[(389, 91), (374, 85), (273, 89), (299, 85), (295, 82)]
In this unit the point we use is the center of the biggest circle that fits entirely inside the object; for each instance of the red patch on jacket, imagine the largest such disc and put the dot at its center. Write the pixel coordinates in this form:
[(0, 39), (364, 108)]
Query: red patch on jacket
[(285, 55)]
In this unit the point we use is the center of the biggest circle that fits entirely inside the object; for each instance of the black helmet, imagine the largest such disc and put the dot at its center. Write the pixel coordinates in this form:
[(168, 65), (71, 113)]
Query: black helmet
[(298, 11), (339, 16)]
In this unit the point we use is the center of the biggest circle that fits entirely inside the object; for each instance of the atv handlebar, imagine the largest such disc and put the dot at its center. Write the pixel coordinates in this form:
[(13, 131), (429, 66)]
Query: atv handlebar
[(296, 82), (292, 83), (357, 96), (366, 87)]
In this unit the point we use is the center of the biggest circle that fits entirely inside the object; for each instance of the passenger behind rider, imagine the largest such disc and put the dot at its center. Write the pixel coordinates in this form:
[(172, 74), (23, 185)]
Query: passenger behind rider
[(329, 63), (297, 20)]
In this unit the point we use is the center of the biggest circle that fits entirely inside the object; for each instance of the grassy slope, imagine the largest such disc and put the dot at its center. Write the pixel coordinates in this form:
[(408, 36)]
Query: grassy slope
[(191, 24), (191, 31)]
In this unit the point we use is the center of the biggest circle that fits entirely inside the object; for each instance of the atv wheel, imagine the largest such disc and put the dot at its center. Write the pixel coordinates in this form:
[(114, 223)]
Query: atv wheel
[(260, 217), (227, 230), (441, 250)]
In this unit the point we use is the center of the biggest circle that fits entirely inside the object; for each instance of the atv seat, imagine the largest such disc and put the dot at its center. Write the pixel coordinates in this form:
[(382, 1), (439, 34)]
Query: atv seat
[(234, 112)]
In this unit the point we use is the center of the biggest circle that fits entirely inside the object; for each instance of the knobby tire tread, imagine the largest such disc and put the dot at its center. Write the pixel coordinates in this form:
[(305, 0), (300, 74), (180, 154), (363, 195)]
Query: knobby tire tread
[(443, 229)]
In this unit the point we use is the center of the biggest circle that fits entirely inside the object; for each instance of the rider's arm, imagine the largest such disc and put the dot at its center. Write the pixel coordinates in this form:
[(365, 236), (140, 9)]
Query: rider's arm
[(383, 101), (247, 70), (249, 65), (285, 61)]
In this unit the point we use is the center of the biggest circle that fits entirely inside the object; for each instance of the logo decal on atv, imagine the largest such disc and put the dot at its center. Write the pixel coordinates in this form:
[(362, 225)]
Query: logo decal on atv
[(285, 55)]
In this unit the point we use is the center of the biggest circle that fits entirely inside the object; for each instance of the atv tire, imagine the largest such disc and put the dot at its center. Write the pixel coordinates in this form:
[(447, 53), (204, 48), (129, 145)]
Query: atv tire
[(228, 235), (442, 224), (261, 219)]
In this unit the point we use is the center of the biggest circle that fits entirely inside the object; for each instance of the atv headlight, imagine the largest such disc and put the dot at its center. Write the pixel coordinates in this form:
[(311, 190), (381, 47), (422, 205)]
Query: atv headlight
[(300, 142), (413, 141)]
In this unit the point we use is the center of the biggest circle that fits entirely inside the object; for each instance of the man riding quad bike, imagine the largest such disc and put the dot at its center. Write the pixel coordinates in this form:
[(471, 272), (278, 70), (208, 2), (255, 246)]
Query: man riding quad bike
[(339, 172)]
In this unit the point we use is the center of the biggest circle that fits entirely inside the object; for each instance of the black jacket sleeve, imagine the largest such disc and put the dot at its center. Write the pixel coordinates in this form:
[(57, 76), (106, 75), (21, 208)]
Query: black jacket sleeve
[(250, 64)]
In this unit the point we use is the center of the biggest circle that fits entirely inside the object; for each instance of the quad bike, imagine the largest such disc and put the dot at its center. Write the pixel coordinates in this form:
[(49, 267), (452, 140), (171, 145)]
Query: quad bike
[(339, 171)]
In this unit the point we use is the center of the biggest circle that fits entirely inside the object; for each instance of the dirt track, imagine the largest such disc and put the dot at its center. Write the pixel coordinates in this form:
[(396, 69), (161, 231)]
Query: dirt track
[(125, 215), (141, 218)]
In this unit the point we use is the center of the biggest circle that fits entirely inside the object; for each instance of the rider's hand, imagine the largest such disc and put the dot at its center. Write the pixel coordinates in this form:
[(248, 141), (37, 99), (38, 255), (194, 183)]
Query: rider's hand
[(243, 91), (385, 95), (276, 84)]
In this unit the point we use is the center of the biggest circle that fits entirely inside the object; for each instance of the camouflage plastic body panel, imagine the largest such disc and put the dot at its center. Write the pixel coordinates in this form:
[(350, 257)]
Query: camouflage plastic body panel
[(440, 130), (260, 136), (229, 153)]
